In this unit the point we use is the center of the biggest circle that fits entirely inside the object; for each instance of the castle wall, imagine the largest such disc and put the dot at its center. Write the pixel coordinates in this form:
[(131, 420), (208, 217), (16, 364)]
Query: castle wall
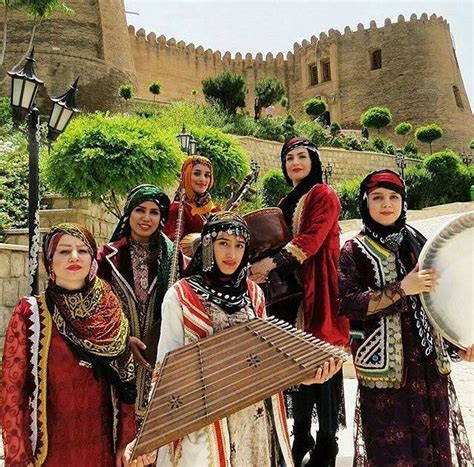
[(416, 80), (91, 43)]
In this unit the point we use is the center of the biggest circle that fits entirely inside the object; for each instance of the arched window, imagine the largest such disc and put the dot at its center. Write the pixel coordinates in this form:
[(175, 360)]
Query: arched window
[(313, 74)]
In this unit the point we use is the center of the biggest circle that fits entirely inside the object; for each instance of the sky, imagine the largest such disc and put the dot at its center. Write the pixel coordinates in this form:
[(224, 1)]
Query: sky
[(274, 25)]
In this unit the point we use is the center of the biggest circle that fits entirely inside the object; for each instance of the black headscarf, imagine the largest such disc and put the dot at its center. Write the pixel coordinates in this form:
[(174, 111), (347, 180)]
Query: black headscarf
[(289, 202), (228, 292)]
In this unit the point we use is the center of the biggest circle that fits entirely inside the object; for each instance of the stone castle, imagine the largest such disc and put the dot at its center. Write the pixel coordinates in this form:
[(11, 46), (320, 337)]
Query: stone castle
[(409, 66)]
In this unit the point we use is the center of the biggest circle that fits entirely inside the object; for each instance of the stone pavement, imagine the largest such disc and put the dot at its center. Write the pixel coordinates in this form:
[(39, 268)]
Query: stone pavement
[(462, 374)]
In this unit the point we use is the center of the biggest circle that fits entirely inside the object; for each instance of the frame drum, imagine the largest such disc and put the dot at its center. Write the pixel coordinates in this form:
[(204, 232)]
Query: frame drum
[(450, 308)]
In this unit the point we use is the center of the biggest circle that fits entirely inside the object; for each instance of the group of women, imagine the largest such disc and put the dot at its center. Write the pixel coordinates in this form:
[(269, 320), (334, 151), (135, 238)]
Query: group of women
[(77, 378)]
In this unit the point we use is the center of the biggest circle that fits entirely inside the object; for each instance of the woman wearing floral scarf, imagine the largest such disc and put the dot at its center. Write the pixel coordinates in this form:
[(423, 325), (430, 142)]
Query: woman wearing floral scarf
[(407, 411), (64, 351), (136, 263)]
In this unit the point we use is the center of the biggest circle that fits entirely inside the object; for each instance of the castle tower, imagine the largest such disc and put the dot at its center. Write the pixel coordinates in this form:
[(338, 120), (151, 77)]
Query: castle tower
[(92, 43)]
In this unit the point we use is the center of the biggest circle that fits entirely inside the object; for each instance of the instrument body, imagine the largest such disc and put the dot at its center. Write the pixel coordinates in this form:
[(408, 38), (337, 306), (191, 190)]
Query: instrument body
[(203, 382), (268, 234), (450, 307)]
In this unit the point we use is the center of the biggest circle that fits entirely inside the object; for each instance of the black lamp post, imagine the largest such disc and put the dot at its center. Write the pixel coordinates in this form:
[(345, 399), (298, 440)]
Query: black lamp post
[(327, 172), (401, 164), (466, 158), (187, 143), (24, 89)]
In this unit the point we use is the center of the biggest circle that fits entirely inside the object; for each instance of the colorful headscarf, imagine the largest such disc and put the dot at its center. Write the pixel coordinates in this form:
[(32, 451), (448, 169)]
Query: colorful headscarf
[(315, 176), (137, 196), (91, 318), (389, 236), (203, 274), (201, 204)]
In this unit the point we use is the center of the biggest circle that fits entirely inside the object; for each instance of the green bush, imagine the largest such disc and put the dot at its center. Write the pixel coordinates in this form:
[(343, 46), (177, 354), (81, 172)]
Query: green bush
[(273, 187), (353, 144), (471, 144), (270, 128), (288, 127), (99, 154), (348, 192), (376, 117), (419, 193), (229, 160), (5, 111), (410, 148), (403, 128), (335, 129), (314, 107), (155, 88), (125, 91)]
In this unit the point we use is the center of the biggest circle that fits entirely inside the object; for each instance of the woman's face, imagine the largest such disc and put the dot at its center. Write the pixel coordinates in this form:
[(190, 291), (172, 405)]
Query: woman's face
[(144, 221), (200, 178), (71, 263), (385, 206), (298, 165), (228, 252)]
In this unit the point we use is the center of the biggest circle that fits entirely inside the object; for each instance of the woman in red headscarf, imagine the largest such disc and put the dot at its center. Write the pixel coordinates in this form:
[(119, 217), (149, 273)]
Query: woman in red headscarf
[(197, 179), (311, 211), (68, 392), (407, 409)]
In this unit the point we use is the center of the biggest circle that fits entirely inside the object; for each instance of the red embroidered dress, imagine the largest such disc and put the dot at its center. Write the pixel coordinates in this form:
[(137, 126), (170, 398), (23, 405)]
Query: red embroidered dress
[(54, 411)]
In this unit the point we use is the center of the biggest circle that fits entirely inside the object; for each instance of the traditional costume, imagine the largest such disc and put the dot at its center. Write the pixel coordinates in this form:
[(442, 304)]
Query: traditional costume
[(196, 207), (311, 211), (138, 274), (407, 409), (64, 352), (203, 303)]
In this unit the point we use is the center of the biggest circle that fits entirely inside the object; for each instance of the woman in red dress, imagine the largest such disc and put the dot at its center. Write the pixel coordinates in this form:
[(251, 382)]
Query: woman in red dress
[(311, 211), (67, 394), (197, 179)]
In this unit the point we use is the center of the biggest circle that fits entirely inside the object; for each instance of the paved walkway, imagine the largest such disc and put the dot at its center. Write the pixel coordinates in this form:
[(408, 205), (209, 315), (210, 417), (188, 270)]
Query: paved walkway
[(463, 373)]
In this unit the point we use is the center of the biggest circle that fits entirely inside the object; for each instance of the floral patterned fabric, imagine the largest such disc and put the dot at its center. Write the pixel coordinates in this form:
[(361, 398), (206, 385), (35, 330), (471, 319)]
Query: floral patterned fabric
[(79, 418)]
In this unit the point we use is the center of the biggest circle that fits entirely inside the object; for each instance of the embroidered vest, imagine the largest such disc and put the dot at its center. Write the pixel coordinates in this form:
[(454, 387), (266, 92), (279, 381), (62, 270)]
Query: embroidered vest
[(379, 360)]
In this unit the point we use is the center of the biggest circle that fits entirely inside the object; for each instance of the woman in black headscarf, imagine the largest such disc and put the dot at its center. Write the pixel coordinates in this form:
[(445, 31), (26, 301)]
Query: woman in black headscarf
[(216, 294), (407, 406)]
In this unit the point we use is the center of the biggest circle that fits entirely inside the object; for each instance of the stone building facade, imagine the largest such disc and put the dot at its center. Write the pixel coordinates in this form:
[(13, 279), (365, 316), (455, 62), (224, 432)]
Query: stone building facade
[(409, 66)]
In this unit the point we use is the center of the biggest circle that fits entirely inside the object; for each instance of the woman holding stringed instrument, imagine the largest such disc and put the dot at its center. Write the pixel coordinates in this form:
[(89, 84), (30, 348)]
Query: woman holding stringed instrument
[(311, 212), (197, 178), (214, 295), (137, 264)]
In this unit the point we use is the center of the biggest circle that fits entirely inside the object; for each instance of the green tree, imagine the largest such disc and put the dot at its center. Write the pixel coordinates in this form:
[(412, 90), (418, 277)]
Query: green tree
[(335, 129), (376, 117), (228, 159), (125, 91), (105, 157), (155, 88), (428, 134), (314, 107), (226, 90), (284, 103), (471, 144), (403, 128), (269, 91), (289, 127)]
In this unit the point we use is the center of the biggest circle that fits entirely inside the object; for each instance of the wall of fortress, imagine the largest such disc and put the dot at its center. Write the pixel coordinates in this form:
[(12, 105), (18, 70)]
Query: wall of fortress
[(417, 79)]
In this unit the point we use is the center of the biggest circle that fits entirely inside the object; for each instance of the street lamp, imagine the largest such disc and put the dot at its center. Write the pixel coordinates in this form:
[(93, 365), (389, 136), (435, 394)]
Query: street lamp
[(187, 143), (466, 158), (327, 172), (401, 164), (24, 89)]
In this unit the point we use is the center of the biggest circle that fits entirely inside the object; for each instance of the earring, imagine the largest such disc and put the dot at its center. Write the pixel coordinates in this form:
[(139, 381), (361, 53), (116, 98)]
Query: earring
[(207, 253)]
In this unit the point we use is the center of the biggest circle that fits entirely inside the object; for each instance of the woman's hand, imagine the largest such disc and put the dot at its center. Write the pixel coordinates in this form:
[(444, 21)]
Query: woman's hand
[(137, 347), (140, 461), (259, 271), (468, 354), (418, 281), (327, 371)]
